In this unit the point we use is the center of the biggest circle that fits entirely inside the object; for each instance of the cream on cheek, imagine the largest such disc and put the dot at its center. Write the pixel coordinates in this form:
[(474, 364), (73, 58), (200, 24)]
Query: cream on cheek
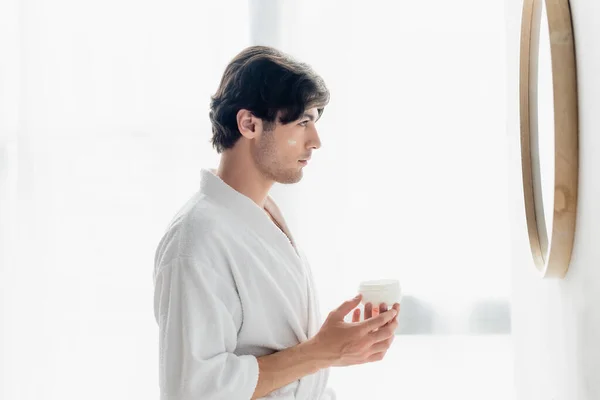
[(293, 136)]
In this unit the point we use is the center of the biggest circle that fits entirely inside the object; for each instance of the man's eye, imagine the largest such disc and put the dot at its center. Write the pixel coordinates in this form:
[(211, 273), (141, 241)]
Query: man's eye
[(303, 123)]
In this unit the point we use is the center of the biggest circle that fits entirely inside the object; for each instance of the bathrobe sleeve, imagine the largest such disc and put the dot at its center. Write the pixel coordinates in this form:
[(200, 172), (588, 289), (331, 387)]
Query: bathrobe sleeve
[(198, 312)]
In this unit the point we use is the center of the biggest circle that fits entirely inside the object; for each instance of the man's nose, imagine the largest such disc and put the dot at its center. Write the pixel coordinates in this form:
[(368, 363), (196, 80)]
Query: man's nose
[(314, 142)]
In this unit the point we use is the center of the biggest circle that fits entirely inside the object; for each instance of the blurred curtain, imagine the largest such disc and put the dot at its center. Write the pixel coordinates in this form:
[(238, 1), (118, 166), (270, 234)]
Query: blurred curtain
[(104, 127)]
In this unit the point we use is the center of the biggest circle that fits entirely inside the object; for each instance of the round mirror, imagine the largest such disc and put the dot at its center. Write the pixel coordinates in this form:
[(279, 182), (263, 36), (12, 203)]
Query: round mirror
[(541, 111), (549, 132)]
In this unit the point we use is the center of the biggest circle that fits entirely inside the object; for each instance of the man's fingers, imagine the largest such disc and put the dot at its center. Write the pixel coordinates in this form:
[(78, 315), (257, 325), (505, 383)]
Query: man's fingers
[(347, 306), (380, 320), (356, 315), (383, 308), (397, 307), (376, 357), (385, 332), (368, 311), (382, 346)]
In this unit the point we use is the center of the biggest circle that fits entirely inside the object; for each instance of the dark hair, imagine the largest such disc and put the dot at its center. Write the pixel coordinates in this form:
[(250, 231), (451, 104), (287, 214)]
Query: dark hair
[(268, 83)]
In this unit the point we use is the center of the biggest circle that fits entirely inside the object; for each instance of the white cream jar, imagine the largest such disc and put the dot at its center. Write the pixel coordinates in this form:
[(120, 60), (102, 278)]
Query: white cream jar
[(385, 291)]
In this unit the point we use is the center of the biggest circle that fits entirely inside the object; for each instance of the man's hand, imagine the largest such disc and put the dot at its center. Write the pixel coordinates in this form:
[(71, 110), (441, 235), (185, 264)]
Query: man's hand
[(342, 343), (338, 343)]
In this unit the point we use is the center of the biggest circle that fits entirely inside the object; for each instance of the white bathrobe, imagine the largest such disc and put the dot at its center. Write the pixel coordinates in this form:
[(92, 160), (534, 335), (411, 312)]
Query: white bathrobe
[(230, 286)]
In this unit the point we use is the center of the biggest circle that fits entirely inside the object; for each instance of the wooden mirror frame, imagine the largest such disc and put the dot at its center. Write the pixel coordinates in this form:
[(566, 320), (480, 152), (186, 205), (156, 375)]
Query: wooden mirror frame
[(555, 262)]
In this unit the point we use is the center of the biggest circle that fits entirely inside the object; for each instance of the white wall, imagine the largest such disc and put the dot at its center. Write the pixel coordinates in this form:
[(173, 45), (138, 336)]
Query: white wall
[(556, 323)]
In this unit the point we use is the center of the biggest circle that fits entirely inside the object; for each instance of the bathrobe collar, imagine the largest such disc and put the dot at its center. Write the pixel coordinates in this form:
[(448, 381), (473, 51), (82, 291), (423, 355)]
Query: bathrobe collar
[(247, 210)]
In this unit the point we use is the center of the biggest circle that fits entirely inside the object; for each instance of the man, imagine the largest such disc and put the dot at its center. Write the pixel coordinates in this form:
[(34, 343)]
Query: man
[(234, 296)]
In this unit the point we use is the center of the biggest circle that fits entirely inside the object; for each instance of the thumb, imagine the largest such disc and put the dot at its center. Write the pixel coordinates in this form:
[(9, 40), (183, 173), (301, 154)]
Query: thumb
[(347, 306)]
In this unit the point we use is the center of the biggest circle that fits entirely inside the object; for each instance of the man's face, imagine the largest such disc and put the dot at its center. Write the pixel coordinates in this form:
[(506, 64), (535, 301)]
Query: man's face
[(283, 151)]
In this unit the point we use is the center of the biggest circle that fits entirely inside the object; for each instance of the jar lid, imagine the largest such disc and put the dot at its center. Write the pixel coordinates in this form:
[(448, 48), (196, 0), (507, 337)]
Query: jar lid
[(379, 285)]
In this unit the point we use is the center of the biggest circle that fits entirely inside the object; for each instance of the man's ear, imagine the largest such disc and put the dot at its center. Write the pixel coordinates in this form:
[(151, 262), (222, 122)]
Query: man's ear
[(248, 125)]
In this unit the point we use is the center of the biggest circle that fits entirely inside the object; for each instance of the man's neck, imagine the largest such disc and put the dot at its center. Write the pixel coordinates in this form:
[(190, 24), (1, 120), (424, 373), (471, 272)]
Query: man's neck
[(241, 173)]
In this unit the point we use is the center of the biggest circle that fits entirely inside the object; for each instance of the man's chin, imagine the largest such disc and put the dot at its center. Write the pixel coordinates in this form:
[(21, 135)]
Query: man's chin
[(290, 179)]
